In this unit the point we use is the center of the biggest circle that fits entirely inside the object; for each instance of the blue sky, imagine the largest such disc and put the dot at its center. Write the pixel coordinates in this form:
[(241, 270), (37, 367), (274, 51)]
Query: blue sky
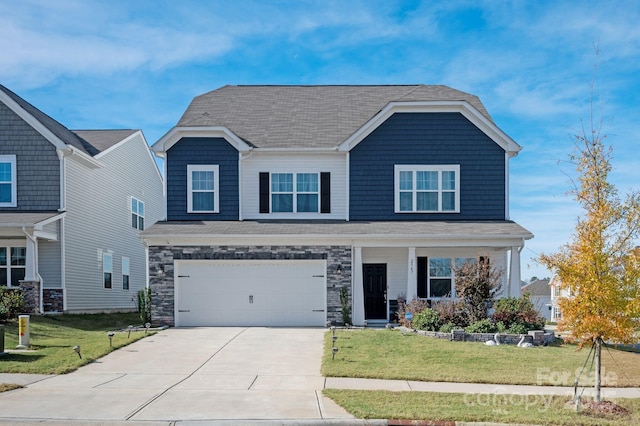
[(137, 64)]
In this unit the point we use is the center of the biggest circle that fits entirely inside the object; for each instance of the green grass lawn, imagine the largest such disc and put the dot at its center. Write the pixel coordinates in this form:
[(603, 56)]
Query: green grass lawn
[(518, 409), (53, 337), (387, 354)]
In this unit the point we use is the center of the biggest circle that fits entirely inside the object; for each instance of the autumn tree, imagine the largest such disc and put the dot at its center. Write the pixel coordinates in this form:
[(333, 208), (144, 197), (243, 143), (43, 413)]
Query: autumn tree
[(600, 266)]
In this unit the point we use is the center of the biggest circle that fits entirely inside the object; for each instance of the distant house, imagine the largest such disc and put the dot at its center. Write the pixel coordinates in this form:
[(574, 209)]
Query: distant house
[(540, 294), (282, 199), (72, 204)]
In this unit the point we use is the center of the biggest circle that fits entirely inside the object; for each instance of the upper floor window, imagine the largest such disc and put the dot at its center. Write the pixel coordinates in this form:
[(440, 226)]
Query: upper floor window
[(427, 189), (295, 192), (8, 184), (137, 214), (107, 270), (202, 189)]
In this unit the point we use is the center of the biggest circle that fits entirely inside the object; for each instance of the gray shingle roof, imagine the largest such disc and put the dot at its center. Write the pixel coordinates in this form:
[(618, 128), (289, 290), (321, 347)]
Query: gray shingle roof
[(426, 229), (537, 288), (309, 116), (28, 219), (104, 139)]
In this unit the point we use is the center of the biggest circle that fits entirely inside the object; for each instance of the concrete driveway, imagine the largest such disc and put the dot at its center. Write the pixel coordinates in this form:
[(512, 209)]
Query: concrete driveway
[(189, 374)]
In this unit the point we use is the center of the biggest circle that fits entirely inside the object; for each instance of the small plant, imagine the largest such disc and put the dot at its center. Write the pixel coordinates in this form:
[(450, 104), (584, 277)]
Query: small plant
[(426, 319), (144, 305), (482, 326), (451, 311), (345, 306), (414, 307), (448, 327), (517, 313), (11, 303)]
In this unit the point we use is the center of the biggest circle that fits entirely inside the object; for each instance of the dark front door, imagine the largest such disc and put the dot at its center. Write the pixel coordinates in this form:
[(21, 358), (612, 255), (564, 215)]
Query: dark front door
[(375, 291)]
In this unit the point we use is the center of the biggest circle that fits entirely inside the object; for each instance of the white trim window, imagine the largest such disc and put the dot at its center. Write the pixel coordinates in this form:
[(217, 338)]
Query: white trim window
[(137, 214), (202, 188), (126, 270), (295, 192), (427, 188), (107, 270), (436, 276), (8, 181), (13, 266)]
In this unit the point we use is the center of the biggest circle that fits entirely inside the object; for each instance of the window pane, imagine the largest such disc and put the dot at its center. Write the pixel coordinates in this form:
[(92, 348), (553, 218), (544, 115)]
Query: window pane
[(427, 201), (18, 256), (307, 182), (3, 256), (439, 267), (464, 260), (282, 182), (3, 276), (141, 207), (406, 201), (427, 181), (202, 181), (107, 280), (203, 201), (282, 202), (307, 202), (5, 192), (134, 205), (141, 223), (449, 180), (125, 266), (125, 282), (5, 172), (440, 287), (406, 181), (17, 274), (448, 201), (134, 220)]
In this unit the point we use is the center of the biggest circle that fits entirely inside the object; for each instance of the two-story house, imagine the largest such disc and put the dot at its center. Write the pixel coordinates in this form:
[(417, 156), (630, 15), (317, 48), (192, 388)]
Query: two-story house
[(279, 197), (72, 204)]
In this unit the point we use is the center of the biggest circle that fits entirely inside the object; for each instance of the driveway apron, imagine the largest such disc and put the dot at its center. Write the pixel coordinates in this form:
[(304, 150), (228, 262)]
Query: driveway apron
[(189, 374)]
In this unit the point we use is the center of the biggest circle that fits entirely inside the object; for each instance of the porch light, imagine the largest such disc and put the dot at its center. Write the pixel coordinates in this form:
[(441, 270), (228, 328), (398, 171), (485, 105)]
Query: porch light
[(339, 269)]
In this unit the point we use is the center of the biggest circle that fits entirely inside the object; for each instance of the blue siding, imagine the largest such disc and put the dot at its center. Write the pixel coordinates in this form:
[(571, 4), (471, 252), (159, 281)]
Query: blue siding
[(202, 151), (37, 164), (427, 138)]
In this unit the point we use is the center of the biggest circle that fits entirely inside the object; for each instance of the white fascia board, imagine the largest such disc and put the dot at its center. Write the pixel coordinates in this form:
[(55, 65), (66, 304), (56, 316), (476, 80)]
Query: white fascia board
[(466, 109), (45, 222), (32, 121), (81, 157), (175, 134), (498, 241)]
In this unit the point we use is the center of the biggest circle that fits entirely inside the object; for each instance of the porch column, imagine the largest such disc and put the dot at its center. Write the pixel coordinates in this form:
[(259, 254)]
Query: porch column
[(31, 260), (358, 290), (412, 275), (513, 287)]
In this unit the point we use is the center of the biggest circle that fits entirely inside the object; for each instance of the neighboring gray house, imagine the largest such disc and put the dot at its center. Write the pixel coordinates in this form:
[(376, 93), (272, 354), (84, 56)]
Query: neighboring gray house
[(540, 294), (72, 204), (279, 198)]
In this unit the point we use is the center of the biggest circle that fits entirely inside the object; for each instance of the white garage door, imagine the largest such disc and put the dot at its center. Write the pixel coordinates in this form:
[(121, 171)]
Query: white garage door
[(250, 292)]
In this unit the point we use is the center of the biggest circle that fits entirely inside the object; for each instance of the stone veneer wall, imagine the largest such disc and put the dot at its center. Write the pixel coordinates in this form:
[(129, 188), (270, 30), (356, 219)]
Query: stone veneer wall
[(52, 300), (161, 274)]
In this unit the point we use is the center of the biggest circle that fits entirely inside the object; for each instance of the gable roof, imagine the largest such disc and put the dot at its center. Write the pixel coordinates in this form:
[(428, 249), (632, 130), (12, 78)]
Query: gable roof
[(311, 117), (104, 139), (537, 288)]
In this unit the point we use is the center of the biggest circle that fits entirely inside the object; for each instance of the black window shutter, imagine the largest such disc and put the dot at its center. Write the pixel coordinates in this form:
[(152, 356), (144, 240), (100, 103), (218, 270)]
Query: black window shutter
[(325, 192), (264, 192), (423, 268)]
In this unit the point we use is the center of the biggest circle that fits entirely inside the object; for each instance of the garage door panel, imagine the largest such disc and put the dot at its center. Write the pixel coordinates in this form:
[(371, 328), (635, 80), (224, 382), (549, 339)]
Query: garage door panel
[(259, 293)]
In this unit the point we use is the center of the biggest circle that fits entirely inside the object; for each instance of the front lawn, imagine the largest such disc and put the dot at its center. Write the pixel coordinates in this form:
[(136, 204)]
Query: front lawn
[(513, 409), (387, 354), (53, 337)]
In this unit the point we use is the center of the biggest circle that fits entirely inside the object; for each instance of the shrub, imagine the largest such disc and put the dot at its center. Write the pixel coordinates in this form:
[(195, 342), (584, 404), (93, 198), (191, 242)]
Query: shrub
[(448, 327), (344, 305), (415, 306), (450, 311), (477, 284), (518, 313), (519, 328), (144, 305), (482, 326), (11, 303), (426, 320)]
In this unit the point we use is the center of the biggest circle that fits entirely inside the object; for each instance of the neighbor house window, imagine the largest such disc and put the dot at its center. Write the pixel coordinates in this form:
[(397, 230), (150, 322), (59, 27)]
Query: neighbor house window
[(12, 265), (107, 270), (202, 189), (137, 214), (427, 189), (125, 273), (8, 184), (436, 276), (295, 192)]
